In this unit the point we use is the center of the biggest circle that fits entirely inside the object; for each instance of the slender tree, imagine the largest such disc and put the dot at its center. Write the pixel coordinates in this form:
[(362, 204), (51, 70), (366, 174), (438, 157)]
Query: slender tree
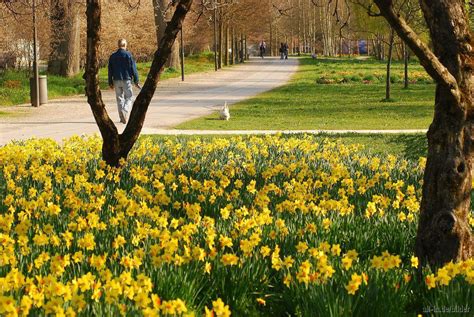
[(389, 65), (406, 58), (117, 146)]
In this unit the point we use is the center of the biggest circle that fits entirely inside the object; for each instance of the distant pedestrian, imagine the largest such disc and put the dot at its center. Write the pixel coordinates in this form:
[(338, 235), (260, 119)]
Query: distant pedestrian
[(122, 70), (262, 47), (282, 50), (286, 48)]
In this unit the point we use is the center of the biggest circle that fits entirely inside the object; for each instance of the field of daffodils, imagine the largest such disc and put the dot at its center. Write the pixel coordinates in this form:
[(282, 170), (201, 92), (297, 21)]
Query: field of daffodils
[(242, 226)]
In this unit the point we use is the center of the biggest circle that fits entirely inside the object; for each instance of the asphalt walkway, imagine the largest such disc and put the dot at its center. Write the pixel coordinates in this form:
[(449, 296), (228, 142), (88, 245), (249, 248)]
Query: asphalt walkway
[(174, 102)]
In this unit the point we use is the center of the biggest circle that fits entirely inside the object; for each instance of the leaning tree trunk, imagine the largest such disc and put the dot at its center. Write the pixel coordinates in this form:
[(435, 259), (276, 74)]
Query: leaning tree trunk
[(163, 13), (117, 146), (64, 58), (444, 233)]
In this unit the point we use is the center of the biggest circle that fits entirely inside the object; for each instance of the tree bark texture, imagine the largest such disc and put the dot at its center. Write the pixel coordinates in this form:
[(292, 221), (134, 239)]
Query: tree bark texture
[(246, 53), (242, 49), (117, 146), (236, 47), (389, 65), (226, 45), (330, 43), (214, 22), (163, 13), (232, 53), (405, 61), (270, 45), (444, 233), (378, 45), (220, 40), (64, 59)]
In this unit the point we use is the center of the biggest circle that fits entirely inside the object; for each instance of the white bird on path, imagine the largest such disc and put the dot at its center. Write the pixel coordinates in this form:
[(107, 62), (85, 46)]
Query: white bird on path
[(225, 114)]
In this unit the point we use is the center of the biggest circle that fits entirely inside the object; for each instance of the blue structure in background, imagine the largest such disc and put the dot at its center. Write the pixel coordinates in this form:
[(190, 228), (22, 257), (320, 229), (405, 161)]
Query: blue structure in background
[(362, 47)]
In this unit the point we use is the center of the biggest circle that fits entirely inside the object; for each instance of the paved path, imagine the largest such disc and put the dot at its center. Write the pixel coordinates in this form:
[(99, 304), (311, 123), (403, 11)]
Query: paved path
[(174, 102)]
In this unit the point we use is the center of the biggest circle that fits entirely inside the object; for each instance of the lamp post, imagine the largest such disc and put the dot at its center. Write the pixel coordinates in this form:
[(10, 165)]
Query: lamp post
[(36, 101)]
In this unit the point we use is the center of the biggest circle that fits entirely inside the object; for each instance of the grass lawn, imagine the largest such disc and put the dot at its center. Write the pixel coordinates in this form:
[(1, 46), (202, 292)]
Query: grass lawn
[(334, 94), (14, 85)]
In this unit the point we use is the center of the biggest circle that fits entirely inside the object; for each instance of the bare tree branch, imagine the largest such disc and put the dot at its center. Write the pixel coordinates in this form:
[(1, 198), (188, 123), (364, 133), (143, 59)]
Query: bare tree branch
[(133, 6), (282, 11)]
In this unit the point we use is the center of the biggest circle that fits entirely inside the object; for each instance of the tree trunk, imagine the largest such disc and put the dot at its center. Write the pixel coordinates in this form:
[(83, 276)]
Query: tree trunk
[(378, 47), (226, 47), (292, 43), (236, 47), (314, 29), (303, 24), (117, 146), (214, 21), (340, 46), (221, 39), (270, 47), (242, 50), (232, 52), (163, 13), (375, 49), (246, 53), (174, 59), (444, 233), (299, 27), (389, 65), (64, 58), (405, 60)]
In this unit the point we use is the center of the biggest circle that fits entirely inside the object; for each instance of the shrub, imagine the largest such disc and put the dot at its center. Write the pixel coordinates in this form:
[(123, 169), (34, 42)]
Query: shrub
[(325, 81), (369, 77), (394, 79)]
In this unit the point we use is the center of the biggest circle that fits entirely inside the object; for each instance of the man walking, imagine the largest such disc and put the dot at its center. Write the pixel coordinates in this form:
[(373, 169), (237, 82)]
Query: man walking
[(286, 48), (122, 70), (262, 46)]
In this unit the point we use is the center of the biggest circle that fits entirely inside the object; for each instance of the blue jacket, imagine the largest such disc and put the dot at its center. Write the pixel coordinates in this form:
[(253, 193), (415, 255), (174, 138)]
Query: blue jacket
[(122, 67)]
